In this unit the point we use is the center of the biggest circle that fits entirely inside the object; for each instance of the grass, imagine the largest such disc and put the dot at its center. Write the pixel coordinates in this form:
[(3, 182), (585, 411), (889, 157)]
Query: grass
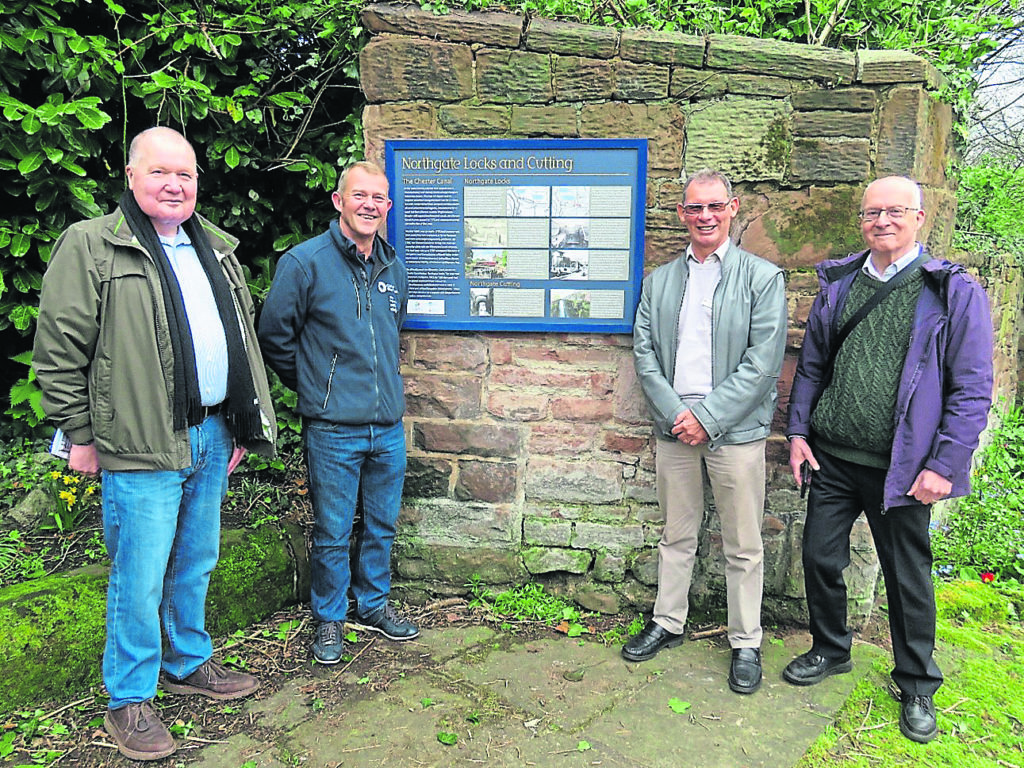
[(980, 706)]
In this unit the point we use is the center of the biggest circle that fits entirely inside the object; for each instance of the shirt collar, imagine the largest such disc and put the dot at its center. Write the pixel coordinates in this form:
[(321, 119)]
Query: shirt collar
[(894, 268), (180, 238), (718, 253)]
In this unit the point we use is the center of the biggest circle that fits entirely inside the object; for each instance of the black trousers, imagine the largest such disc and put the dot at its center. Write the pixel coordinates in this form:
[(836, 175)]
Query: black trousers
[(838, 494)]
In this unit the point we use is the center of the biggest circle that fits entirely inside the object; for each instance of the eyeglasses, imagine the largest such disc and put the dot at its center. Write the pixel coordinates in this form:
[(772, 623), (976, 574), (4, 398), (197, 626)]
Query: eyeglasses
[(894, 212), (696, 209)]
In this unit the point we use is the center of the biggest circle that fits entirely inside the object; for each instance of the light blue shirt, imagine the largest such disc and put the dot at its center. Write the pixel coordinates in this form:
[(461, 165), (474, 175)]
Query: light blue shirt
[(893, 269), (207, 330)]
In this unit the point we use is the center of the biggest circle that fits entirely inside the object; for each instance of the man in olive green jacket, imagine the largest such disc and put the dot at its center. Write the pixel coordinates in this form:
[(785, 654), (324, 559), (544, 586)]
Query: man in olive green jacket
[(147, 357), (708, 343)]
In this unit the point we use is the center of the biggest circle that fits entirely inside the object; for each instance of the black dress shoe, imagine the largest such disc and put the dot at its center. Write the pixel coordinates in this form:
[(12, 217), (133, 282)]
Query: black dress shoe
[(917, 718), (745, 670), (652, 639), (811, 667)]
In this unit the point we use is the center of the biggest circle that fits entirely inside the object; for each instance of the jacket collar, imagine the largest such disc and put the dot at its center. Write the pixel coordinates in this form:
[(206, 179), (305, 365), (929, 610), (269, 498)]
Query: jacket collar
[(118, 232), (383, 253)]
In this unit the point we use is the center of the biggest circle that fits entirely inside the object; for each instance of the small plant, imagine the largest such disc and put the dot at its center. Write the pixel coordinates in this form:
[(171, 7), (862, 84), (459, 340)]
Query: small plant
[(447, 738), (986, 533), (73, 500)]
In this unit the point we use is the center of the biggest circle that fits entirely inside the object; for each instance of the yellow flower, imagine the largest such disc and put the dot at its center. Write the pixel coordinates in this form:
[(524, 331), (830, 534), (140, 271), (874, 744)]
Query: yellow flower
[(55, 474), (68, 498), (70, 480), (90, 490)]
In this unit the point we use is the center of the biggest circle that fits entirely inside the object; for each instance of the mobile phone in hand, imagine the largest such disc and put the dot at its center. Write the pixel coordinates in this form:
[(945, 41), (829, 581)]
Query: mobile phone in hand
[(806, 473)]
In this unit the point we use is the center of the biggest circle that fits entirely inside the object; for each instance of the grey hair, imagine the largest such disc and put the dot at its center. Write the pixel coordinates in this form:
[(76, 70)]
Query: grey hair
[(706, 175), (371, 168), (133, 148)]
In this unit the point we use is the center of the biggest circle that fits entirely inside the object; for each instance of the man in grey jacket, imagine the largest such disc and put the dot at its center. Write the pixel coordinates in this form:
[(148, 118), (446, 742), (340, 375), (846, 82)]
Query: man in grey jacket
[(147, 358), (708, 343)]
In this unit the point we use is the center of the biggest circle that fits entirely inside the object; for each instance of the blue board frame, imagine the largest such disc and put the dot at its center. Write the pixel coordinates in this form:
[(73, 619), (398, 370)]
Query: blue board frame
[(484, 254)]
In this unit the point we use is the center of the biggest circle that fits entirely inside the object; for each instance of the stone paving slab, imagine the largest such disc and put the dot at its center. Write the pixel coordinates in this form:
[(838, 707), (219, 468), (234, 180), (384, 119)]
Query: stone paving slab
[(531, 703)]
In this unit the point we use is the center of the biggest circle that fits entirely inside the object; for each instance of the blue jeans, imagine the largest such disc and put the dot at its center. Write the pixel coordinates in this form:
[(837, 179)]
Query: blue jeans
[(162, 530), (349, 463)]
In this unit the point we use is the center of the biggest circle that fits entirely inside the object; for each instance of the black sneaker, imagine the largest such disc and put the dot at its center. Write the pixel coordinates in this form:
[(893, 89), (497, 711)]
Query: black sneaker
[(328, 645), (388, 622)]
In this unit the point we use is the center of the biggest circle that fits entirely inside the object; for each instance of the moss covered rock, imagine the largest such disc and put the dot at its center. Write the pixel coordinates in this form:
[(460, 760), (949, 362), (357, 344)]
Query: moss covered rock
[(52, 629)]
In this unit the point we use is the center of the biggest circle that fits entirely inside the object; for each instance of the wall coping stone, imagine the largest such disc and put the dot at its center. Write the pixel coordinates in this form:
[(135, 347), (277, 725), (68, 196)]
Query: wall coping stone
[(492, 28)]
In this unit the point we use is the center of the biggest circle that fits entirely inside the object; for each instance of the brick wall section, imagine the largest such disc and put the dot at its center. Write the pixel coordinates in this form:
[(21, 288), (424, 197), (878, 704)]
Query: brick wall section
[(530, 455)]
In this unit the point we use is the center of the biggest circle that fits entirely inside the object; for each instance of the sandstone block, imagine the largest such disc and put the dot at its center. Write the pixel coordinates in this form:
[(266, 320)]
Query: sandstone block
[(647, 45), (830, 160), (797, 229), (449, 396), (395, 121), (450, 352), (597, 597), (747, 139), (550, 120), (609, 568), (549, 559), (661, 246), (581, 409), (694, 84), (562, 439), (913, 136), (479, 439), (764, 85), (457, 564), (581, 79), (513, 77), (517, 407), (640, 81), (486, 482), (781, 59), (458, 523), (546, 531), (620, 539), (661, 124), (832, 123), (895, 67), (570, 38), (487, 121), (501, 29), (579, 482), (427, 478), (846, 99), (645, 567), (619, 442), (399, 68)]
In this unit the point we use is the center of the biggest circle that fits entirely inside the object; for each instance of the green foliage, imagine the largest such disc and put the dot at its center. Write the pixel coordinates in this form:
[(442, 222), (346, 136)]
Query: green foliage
[(986, 532), (990, 211), (979, 706), (72, 500), (529, 602), (266, 92)]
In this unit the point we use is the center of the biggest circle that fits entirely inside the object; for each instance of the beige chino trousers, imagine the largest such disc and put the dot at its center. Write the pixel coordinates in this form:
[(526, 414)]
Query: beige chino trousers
[(737, 475)]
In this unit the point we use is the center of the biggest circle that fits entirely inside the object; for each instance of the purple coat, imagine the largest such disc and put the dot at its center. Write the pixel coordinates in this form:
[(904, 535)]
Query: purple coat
[(945, 389)]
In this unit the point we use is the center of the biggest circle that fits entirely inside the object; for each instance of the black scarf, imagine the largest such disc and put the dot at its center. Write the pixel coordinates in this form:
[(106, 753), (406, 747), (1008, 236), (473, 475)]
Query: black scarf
[(240, 407)]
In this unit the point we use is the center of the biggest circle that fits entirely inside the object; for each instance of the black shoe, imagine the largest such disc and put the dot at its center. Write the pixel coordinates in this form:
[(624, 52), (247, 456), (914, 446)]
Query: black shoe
[(652, 639), (917, 718), (388, 622), (328, 646), (745, 670), (811, 667)]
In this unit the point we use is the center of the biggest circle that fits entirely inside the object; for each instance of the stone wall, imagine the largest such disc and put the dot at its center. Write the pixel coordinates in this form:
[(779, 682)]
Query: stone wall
[(530, 455)]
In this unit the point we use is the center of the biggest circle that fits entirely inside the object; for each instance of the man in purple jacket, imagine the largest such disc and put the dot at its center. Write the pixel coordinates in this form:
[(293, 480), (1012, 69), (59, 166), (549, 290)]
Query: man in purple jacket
[(887, 417)]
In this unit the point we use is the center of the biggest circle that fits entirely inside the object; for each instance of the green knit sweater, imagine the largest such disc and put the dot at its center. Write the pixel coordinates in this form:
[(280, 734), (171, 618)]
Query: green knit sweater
[(854, 417)]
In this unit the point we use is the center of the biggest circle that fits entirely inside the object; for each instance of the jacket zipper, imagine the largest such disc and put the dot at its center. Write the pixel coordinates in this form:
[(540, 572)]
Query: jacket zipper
[(359, 298), (330, 379)]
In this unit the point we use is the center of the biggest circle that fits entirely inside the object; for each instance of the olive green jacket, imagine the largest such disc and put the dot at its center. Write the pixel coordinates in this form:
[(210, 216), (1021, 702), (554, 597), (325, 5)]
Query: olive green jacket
[(102, 353), (748, 320)]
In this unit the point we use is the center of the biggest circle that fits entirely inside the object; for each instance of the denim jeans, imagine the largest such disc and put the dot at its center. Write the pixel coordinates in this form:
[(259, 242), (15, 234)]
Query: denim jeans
[(162, 530), (349, 463)]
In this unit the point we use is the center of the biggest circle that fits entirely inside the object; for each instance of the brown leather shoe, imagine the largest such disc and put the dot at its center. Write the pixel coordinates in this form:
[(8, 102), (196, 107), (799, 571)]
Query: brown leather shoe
[(138, 732), (214, 681)]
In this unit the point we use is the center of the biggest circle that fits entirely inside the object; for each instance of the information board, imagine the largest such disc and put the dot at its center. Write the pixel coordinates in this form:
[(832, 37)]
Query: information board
[(520, 235)]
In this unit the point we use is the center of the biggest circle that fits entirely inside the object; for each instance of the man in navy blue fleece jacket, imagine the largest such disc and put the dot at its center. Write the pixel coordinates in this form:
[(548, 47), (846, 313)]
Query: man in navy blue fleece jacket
[(330, 329)]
